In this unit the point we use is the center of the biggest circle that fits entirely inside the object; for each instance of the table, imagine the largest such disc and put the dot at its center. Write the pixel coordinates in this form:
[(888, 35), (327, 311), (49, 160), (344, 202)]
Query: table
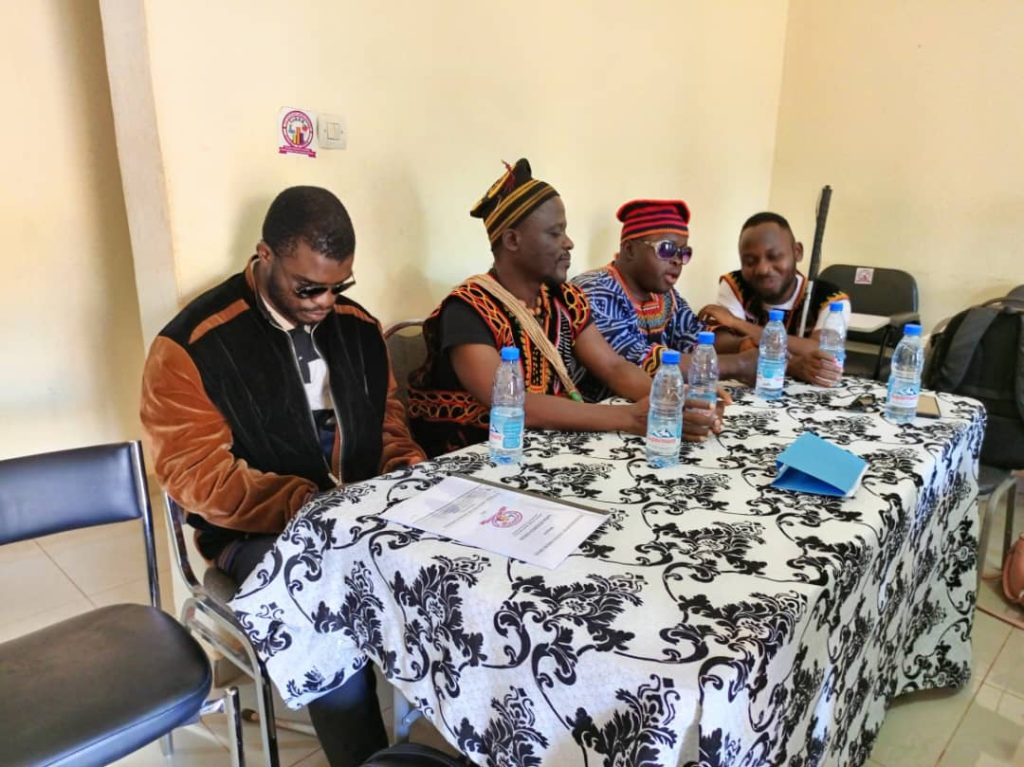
[(712, 620)]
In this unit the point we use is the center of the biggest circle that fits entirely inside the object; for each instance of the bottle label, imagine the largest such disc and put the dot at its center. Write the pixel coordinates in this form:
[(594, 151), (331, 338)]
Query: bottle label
[(506, 429), (771, 374), (903, 393), (664, 434)]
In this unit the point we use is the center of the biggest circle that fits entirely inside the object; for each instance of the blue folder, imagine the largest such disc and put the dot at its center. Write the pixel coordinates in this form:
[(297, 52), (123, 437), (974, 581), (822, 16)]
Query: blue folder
[(813, 465)]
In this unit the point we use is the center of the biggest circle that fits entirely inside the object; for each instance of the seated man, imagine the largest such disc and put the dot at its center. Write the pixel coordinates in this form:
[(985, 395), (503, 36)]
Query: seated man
[(768, 279), (524, 301), (268, 389), (634, 301)]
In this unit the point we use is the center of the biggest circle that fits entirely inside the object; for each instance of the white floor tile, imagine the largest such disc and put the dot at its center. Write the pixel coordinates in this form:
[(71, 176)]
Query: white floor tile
[(44, 619), (136, 591), (31, 584), (98, 559), (1008, 671), (918, 726), (316, 759), (991, 734)]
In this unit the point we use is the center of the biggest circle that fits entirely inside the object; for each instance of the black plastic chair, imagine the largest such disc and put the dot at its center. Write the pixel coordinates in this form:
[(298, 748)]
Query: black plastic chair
[(407, 350), (96, 687), (890, 293)]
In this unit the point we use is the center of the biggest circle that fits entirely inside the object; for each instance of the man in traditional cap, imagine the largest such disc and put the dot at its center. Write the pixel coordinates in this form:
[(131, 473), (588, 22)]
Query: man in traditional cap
[(634, 301), (266, 390), (768, 279), (523, 301)]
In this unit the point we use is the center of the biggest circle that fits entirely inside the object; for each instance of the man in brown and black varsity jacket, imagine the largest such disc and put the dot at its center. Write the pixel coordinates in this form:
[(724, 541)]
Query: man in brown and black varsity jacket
[(268, 389)]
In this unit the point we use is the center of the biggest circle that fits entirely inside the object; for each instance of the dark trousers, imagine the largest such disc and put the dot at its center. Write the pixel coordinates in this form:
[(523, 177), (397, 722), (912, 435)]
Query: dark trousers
[(347, 720)]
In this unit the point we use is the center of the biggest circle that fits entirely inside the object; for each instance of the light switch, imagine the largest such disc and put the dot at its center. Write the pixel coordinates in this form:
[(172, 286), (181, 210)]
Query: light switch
[(331, 131)]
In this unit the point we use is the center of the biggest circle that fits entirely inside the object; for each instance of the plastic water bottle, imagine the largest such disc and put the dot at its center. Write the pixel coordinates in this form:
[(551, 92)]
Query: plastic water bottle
[(832, 339), (771, 358), (703, 373), (905, 378), (505, 435), (665, 414)]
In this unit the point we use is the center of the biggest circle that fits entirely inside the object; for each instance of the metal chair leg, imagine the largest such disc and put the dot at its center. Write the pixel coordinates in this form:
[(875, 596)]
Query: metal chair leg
[(403, 715), (233, 711), (1011, 508), (167, 745)]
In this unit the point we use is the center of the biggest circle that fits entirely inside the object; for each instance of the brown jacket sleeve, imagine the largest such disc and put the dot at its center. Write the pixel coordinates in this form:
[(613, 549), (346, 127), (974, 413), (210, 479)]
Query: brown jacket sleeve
[(191, 442), (399, 449)]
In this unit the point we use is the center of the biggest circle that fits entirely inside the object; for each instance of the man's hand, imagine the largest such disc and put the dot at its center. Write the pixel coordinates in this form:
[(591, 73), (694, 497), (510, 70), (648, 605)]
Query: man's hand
[(715, 314), (700, 419), (746, 368), (817, 367), (636, 416)]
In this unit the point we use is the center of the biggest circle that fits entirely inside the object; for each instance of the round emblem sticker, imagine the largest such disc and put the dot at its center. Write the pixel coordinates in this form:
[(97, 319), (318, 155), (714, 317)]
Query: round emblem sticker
[(297, 132)]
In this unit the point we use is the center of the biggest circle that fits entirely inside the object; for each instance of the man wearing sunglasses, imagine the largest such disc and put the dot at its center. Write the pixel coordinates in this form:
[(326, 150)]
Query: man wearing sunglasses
[(268, 389), (524, 301), (634, 301), (767, 279)]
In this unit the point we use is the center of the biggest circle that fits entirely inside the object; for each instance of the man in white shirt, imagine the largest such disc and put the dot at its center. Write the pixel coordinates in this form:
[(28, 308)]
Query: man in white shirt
[(768, 279)]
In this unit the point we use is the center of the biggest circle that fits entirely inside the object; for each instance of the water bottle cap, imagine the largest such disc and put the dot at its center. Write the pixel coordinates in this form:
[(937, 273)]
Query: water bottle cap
[(775, 315), (911, 330), (706, 337), (670, 357), (510, 354), (835, 306)]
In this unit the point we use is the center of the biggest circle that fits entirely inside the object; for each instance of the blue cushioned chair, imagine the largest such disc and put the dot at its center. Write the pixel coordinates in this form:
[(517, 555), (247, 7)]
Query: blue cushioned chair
[(96, 687)]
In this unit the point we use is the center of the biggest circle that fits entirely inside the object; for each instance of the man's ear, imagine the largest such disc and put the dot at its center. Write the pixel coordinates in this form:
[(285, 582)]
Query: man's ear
[(510, 239), (263, 251), (798, 251)]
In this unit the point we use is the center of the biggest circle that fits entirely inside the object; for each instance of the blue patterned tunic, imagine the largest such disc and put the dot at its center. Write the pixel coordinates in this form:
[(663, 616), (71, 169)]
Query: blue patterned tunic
[(640, 332)]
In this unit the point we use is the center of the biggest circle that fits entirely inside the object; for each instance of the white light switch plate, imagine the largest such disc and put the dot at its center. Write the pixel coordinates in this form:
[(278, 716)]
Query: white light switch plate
[(331, 131)]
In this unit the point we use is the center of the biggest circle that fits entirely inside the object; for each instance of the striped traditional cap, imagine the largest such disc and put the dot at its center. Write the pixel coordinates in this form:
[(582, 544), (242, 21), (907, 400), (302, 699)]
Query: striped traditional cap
[(511, 198), (645, 217)]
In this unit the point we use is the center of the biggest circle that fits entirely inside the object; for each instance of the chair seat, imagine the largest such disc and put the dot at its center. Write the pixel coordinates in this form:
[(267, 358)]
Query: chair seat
[(94, 697), (414, 755), (990, 477)]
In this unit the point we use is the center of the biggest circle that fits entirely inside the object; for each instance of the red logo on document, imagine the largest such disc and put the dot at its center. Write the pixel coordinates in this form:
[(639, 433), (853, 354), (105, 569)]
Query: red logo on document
[(297, 131), (504, 517)]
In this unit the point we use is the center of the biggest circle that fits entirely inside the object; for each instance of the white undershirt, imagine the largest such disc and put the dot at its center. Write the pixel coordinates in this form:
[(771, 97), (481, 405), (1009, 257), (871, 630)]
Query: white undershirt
[(730, 301)]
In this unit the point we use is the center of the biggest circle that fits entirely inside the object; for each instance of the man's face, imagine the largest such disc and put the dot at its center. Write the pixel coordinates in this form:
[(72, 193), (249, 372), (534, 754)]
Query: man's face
[(541, 244), (651, 273), (768, 258), (292, 282)]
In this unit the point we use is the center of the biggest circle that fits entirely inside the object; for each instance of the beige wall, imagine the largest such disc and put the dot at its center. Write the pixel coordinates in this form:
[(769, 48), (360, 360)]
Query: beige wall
[(678, 100), (912, 111), (70, 344), (909, 110)]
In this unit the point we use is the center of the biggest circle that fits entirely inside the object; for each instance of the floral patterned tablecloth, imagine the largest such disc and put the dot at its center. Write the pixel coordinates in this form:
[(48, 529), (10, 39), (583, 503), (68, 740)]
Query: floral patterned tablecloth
[(712, 620)]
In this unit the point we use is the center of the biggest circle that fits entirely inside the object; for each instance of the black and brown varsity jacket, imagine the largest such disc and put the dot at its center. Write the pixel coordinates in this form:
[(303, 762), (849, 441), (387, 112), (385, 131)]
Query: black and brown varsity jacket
[(226, 415)]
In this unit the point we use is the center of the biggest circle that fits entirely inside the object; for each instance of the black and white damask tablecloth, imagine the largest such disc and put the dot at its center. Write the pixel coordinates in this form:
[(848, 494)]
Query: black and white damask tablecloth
[(712, 620)]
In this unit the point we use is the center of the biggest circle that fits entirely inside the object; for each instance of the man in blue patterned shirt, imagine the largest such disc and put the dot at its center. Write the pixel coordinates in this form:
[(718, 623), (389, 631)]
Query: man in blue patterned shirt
[(634, 302)]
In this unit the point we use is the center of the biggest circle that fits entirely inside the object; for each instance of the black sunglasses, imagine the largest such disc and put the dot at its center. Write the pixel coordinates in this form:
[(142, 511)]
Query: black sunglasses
[(666, 250), (312, 291)]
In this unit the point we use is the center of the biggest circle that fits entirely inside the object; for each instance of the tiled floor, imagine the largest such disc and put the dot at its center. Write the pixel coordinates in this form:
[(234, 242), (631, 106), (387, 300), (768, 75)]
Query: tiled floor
[(62, 575)]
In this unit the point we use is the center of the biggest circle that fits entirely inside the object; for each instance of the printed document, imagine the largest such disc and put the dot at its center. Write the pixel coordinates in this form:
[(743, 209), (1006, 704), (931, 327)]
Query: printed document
[(529, 527)]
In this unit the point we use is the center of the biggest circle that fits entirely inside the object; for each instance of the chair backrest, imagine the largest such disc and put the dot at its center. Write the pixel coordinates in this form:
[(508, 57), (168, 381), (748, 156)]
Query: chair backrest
[(874, 290), (407, 350), (71, 489)]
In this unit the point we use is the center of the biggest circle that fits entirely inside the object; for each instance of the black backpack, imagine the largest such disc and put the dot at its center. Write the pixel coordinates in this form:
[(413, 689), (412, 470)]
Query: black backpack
[(980, 354)]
